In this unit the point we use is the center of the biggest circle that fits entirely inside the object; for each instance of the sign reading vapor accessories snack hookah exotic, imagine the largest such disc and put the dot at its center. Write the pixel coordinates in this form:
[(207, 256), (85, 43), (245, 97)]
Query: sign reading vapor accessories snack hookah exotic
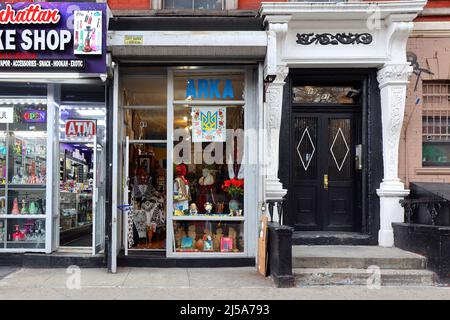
[(53, 37)]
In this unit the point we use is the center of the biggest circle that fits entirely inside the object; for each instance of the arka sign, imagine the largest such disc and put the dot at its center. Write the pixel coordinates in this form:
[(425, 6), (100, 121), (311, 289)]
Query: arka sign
[(209, 89), (80, 128)]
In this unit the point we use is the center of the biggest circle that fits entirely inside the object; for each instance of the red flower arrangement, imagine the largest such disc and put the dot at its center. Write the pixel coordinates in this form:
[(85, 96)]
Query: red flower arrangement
[(234, 187)]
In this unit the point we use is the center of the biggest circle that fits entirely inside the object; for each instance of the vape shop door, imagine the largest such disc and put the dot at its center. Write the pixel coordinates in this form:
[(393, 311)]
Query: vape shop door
[(323, 186), (81, 194)]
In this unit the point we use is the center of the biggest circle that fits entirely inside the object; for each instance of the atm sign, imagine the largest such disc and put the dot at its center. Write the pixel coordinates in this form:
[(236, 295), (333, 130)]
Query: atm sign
[(80, 128)]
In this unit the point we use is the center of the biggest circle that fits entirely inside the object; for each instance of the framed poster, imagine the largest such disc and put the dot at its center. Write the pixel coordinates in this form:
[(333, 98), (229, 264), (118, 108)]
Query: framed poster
[(209, 124), (87, 32)]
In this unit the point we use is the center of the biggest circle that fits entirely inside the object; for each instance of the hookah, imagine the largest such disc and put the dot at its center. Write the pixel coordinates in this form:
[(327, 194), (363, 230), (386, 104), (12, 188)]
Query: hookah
[(24, 207), (17, 235), (15, 209), (87, 41)]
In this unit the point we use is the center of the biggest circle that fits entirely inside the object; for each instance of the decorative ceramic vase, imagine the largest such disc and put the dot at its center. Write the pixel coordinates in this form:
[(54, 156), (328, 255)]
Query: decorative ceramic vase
[(234, 205), (15, 209)]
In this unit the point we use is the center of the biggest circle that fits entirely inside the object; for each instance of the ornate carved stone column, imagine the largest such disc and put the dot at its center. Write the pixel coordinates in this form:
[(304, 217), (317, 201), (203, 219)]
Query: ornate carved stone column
[(273, 107), (393, 81)]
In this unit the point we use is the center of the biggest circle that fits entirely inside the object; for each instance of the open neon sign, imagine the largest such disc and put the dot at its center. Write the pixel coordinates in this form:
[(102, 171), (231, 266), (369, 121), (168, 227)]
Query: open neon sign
[(35, 116)]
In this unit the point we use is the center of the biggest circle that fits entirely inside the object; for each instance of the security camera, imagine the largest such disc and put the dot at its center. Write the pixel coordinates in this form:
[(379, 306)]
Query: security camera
[(353, 93)]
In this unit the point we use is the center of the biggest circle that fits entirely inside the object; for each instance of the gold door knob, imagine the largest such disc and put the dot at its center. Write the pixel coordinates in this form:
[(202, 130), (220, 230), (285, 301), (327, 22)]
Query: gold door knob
[(325, 181)]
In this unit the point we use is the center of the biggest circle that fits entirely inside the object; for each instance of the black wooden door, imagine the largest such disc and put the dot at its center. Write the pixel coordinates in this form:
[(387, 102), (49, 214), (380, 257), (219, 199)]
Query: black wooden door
[(322, 193)]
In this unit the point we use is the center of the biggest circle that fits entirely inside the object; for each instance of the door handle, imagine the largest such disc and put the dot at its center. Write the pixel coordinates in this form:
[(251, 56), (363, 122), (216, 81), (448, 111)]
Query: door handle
[(325, 181)]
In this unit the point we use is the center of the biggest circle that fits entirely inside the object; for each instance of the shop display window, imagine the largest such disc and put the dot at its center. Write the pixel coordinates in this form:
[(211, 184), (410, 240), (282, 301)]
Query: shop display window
[(209, 237), (26, 233), (208, 169), (27, 158), (23, 170)]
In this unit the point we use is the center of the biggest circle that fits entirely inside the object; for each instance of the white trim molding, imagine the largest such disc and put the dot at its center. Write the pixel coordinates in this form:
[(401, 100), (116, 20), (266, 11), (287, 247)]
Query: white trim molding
[(350, 35)]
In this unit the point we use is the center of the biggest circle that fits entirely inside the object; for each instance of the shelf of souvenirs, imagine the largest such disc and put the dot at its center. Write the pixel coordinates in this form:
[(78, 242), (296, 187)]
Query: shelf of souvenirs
[(208, 217)]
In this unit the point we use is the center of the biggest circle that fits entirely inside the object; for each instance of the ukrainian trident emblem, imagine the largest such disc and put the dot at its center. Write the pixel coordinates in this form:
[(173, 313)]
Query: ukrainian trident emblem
[(208, 124)]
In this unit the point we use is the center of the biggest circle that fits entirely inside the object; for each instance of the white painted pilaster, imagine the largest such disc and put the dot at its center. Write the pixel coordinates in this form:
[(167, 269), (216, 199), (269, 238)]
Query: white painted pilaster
[(393, 81), (273, 107), (276, 72)]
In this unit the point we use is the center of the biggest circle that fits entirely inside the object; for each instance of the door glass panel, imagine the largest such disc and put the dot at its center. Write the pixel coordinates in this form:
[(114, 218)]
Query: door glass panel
[(149, 124), (305, 143), (76, 192), (340, 164), (325, 94), (147, 174)]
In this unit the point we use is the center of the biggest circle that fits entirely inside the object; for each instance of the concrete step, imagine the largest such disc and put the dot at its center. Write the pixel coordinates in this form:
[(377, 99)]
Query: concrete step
[(355, 257), (371, 277)]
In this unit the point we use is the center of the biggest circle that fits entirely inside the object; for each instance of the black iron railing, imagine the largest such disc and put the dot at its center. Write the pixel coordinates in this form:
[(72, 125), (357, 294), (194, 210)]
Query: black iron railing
[(279, 205), (434, 207)]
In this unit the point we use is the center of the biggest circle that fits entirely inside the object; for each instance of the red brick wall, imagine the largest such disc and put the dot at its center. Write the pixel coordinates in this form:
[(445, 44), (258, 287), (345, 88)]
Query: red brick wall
[(129, 4), (432, 54), (253, 4)]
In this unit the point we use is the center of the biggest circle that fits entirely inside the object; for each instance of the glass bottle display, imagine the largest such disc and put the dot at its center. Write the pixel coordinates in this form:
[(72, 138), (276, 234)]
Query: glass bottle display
[(23, 178)]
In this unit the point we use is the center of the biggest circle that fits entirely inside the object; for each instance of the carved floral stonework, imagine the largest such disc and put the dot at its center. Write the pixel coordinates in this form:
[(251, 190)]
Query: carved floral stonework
[(394, 73), (334, 39), (395, 126), (274, 103)]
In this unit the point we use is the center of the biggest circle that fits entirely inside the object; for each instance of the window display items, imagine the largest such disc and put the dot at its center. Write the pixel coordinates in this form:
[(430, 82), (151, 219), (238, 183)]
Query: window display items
[(181, 193), (2, 205), (2, 231), (206, 188), (31, 231), (24, 207), (193, 210), (197, 236), (29, 158), (235, 189), (15, 208)]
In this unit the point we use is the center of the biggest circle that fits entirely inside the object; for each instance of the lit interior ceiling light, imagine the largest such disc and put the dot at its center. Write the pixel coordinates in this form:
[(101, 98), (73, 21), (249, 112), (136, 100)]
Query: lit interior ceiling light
[(92, 112), (23, 101)]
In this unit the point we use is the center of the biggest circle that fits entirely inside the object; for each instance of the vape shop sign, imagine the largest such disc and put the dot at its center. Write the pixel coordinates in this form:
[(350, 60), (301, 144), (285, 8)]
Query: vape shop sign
[(53, 37), (81, 128)]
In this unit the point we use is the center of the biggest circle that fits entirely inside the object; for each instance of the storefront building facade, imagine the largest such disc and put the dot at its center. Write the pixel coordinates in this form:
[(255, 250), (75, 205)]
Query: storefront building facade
[(52, 96), (188, 112), (202, 119), (345, 100)]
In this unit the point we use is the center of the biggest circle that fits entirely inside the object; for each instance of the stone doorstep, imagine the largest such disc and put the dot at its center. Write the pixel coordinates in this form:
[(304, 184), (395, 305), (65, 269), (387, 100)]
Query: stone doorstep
[(359, 263), (358, 257), (357, 277)]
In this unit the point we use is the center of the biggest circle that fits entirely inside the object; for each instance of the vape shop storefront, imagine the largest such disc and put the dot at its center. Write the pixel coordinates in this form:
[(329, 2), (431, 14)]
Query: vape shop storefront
[(53, 127), (186, 138)]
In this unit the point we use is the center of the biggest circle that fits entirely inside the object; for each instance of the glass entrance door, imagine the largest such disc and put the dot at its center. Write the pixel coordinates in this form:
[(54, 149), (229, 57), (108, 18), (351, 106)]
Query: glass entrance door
[(145, 170)]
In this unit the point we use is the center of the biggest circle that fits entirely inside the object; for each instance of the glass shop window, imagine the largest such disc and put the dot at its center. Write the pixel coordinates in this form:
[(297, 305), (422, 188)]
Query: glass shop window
[(23, 166), (208, 169), (311, 94), (194, 4), (436, 125)]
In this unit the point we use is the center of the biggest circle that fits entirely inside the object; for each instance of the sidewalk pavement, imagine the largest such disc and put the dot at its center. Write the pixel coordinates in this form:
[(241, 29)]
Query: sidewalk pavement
[(182, 283)]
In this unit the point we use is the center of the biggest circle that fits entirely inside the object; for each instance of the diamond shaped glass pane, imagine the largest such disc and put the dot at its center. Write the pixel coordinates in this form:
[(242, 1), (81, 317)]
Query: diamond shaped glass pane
[(339, 149), (306, 149)]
